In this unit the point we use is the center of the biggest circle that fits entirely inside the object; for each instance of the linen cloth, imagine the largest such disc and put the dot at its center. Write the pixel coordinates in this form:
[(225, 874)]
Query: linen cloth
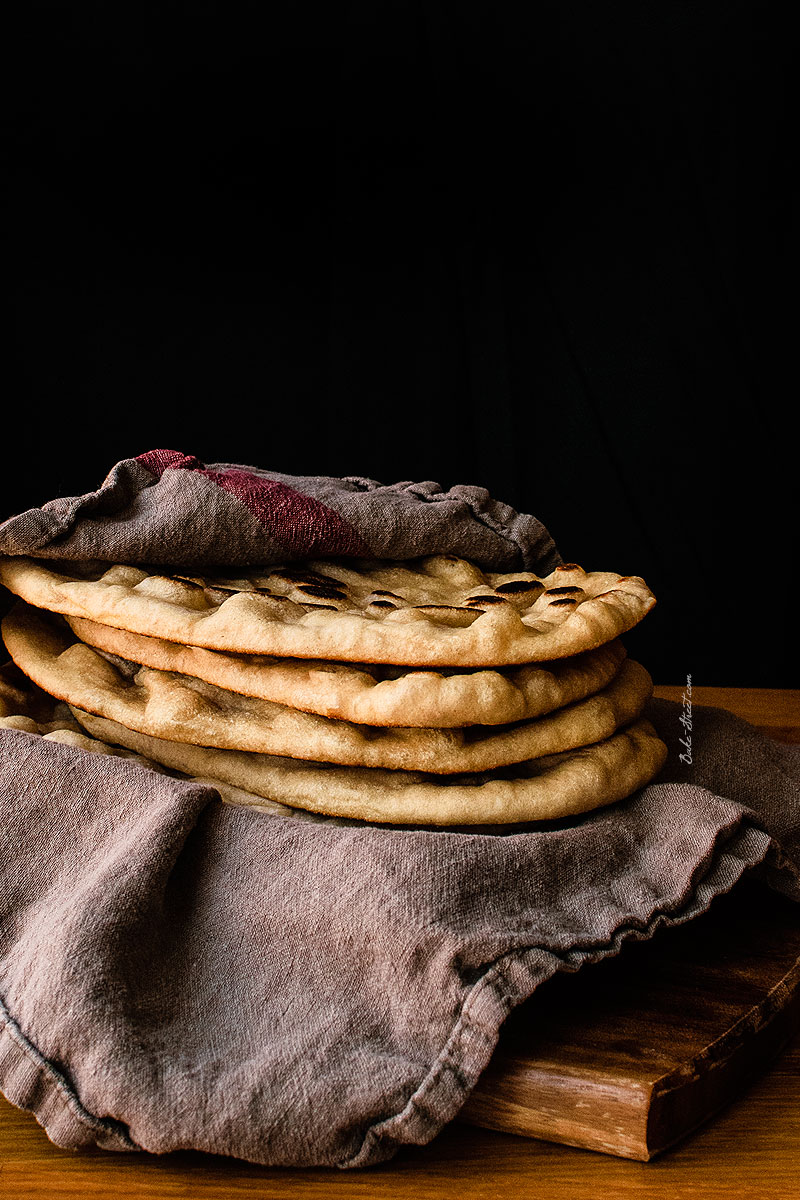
[(167, 507), (180, 973)]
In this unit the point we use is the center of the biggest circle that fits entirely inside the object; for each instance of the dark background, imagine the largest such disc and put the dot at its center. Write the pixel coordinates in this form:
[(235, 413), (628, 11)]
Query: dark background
[(537, 247)]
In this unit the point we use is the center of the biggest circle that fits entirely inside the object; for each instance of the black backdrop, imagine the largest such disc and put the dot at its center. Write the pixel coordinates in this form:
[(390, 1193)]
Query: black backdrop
[(535, 247)]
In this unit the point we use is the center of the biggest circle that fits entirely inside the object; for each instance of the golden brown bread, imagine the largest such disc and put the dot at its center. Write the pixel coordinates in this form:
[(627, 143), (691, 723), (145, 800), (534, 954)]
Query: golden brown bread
[(164, 704), (371, 694), (438, 611), (548, 788)]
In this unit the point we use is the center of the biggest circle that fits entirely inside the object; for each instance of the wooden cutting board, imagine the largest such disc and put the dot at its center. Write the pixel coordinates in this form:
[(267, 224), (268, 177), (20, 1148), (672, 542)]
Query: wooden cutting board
[(631, 1054)]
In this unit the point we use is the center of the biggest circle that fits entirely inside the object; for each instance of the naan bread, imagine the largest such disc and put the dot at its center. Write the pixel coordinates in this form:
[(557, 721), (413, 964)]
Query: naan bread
[(59, 725), (543, 789), (372, 694), (437, 611), (182, 709)]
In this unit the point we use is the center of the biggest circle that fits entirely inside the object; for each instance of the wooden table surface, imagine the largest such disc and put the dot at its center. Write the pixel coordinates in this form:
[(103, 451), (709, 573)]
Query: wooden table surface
[(751, 1150)]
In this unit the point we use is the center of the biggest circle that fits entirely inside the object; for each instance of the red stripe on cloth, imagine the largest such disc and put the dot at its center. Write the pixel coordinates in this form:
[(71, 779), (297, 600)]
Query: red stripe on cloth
[(158, 461), (303, 525)]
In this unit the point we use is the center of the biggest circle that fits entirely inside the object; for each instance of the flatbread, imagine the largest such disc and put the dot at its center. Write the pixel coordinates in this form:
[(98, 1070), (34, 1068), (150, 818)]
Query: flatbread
[(543, 789), (436, 611), (59, 725), (164, 704), (374, 694)]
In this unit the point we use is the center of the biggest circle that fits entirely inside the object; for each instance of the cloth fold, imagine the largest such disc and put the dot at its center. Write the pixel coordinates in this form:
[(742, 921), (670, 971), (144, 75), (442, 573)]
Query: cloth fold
[(177, 972), (167, 507)]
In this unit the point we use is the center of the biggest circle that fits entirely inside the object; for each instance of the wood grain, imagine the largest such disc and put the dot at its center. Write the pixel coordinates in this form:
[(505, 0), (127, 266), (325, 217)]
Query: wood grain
[(750, 1150), (629, 1056), (775, 711)]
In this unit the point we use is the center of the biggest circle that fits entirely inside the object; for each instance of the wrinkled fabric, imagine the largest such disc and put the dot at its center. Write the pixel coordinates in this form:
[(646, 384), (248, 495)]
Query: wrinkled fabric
[(167, 507), (180, 973)]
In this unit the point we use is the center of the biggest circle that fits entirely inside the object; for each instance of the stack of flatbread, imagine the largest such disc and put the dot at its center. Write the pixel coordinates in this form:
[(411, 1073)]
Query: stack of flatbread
[(426, 692)]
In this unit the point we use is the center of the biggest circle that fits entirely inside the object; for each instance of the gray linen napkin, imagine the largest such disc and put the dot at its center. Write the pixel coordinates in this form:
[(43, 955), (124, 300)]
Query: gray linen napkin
[(167, 507), (176, 972)]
